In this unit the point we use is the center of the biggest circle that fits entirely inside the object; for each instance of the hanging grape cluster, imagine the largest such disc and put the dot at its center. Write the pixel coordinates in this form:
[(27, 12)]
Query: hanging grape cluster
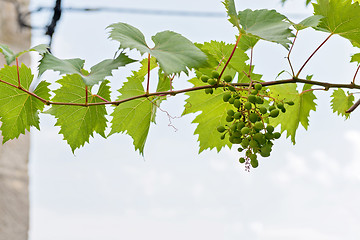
[(248, 123)]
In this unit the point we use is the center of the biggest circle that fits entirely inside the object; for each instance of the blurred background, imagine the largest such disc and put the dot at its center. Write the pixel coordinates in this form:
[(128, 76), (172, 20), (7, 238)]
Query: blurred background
[(106, 190)]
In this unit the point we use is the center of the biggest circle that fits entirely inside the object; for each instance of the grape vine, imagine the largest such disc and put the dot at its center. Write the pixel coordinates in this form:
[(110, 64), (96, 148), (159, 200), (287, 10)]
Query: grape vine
[(237, 107)]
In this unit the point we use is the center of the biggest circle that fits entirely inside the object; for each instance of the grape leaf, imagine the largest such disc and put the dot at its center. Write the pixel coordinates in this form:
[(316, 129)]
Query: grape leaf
[(266, 24), (134, 117), (341, 102), (173, 52), (19, 110), (355, 58), (312, 21), (222, 51), (213, 113), (78, 123), (97, 73), (231, 12), (10, 56), (247, 41), (340, 17), (298, 113)]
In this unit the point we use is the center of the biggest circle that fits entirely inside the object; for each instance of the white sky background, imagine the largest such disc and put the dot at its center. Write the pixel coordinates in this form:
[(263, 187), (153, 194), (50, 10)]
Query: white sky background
[(108, 191)]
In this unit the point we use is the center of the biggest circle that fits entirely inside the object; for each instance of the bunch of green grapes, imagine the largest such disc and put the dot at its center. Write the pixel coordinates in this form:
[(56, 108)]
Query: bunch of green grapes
[(248, 125)]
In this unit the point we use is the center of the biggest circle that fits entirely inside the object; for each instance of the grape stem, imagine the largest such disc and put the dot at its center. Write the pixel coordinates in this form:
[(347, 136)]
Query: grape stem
[(302, 67), (231, 55), (288, 56), (357, 70), (18, 74)]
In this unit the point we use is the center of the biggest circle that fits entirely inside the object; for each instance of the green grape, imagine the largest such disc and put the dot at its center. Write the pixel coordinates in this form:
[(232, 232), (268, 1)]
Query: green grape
[(290, 103), (274, 113), (237, 115), (260, 138), (240, 125), (222, 137), (228, 78), (221, 129), (242, 160), (277, 135), (232, 88), (280, 105), (245, 130), (254, 92), (283, 110), (253, 157), (253, 117), (263, 110), (237, 134), (269, 128), (212, 81), (248, 105), (226, 96), (231, 100), (229, 118), (253, 144), (254, 163), (233, 127), (215, 74), (259, 125), (209, 91), (258, 86), (237, 103), (265, 150), (204, 78), (252, 99), (272, 107), (245, 143), (269, 136), (230, 112), (259, 100), (240, 149)]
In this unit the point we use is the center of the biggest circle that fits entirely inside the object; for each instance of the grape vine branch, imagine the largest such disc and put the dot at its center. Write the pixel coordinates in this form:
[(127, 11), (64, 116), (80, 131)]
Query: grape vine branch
[(235, 105)]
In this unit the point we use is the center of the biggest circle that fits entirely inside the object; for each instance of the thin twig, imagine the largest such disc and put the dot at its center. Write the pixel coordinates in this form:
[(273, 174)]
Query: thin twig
[(148, 75), (357, 70), (288, 56)]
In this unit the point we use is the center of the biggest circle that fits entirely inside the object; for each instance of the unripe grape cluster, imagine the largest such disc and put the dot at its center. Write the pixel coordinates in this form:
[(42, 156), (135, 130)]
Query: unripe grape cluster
[(248, 122)]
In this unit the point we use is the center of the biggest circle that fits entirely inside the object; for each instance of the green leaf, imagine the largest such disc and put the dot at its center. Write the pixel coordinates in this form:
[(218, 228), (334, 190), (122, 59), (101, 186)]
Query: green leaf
[(266, 24), (340, 17), (312, 21), (231, 12), (247, 41), (213, 113), (19, 110), (222, 51), (134, 117), (97, 73), (341, 102), (78, 123), (355, 58), (296, 114), (173, 52), (8, 54)]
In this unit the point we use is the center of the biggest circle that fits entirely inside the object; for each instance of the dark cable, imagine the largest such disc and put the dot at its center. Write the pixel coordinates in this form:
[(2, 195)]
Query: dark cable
[(50, 29)]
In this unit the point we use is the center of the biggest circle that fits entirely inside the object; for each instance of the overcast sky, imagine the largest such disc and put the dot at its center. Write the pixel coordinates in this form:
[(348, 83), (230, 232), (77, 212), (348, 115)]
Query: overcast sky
[(108, 191)]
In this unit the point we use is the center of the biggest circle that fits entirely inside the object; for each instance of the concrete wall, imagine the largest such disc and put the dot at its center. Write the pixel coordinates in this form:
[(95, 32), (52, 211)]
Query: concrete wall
[(14, 180)]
